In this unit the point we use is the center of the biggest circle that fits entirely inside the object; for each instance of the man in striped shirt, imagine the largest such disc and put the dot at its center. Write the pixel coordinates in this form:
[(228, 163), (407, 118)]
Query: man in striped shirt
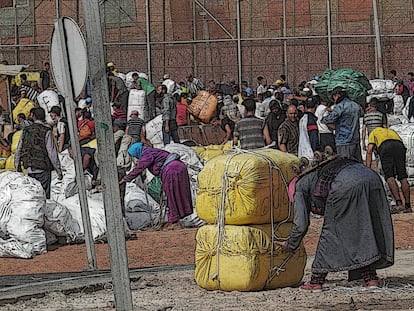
[(372, 119), (249, 130), (288, 132), (136, 127), (29, 91)]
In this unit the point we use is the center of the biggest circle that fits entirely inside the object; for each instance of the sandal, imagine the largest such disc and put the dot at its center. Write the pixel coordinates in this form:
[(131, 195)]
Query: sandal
[(312, 288), (397, 209), (408, 210), (371, 284)]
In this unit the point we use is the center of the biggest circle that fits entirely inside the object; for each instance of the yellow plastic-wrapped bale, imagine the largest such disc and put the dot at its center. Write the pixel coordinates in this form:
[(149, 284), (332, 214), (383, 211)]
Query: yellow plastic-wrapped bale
[(243, 258), (212, 151), (10, 163), (242, 186), (24, 106)]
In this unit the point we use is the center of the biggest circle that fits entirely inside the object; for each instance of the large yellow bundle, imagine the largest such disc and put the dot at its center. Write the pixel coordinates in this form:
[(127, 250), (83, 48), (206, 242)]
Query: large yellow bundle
[(240, 258), (24, 106), (211, 151), (243, 186)]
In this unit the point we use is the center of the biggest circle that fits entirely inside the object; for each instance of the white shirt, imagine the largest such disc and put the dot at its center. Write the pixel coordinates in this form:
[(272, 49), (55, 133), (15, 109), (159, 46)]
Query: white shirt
[(320, 113)]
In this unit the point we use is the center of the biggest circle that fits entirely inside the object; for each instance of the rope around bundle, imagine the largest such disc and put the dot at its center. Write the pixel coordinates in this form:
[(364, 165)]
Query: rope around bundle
[(272, 165)]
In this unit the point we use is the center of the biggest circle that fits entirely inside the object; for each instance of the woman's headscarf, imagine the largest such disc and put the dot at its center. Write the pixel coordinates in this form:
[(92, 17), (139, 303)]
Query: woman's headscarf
[(135, 150)]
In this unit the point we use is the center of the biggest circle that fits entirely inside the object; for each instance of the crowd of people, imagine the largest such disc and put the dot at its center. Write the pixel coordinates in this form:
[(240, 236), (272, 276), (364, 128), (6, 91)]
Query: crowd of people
[(293, 120)]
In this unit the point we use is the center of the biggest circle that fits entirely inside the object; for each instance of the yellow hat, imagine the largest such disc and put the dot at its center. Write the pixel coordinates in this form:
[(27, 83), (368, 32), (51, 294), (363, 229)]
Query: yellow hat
[(110, 64), (278, 82)]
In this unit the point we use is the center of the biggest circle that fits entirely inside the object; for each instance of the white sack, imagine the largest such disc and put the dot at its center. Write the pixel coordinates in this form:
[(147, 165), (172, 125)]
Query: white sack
[(59, 221), (23, 210), (153, 131)]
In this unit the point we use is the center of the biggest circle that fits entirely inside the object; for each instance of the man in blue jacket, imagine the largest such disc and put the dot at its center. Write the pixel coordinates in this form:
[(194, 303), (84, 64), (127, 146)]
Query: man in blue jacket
[(344, 118)]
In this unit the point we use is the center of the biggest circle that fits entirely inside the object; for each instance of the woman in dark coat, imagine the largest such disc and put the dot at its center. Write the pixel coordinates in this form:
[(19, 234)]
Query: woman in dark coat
[(174, 178), (357, 233)]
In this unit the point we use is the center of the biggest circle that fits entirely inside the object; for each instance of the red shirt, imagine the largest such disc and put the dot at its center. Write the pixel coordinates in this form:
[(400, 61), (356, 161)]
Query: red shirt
[(119, 114)]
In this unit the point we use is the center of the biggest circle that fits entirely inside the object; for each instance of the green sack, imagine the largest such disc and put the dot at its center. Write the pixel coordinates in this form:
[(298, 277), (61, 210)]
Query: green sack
[(355, 82), (154, 188)]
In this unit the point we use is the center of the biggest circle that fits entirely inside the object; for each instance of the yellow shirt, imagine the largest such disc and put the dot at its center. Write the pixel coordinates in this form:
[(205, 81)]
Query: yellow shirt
[(380, 134)]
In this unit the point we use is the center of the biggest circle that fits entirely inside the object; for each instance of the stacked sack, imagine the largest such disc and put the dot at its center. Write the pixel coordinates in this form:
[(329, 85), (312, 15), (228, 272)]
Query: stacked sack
[(243, 196)]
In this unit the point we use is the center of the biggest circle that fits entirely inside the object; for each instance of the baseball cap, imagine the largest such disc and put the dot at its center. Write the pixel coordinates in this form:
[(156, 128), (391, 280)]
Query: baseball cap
[(134, 112), (88, 100), (166, 76), (110, 64)]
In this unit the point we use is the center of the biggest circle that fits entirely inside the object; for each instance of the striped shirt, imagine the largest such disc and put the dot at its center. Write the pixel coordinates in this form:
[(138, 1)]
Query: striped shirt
[(250, 132), (30, 93), (135, 126), (288, 134), (374, 119)]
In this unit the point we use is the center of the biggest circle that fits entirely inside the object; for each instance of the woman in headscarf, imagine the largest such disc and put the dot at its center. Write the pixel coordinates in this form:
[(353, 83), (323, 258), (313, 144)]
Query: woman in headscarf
[(174, 178), (357, 234)]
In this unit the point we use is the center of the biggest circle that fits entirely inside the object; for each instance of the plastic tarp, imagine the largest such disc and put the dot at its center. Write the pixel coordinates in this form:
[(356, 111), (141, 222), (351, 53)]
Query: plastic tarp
[(244, 258), (246, 187)]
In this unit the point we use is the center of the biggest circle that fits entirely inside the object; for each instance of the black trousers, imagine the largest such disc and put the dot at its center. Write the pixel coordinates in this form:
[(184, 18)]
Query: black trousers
[(45, 178)]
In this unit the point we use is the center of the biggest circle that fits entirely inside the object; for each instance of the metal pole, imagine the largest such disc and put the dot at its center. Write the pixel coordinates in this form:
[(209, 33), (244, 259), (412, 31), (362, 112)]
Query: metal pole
[(16, 35), (285, 60), (80, 180), (195, 38), (378, 46), (329, 31), (239, 52), (57, 4), (148, 39), (106, 147), (203, 7)]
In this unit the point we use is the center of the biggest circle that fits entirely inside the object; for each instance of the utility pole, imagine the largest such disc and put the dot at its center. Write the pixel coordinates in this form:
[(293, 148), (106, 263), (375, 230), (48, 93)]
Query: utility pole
[(106, 155), (379, 65)]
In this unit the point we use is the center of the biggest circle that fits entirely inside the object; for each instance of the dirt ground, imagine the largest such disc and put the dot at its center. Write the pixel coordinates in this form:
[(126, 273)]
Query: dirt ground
[(177, 290)]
